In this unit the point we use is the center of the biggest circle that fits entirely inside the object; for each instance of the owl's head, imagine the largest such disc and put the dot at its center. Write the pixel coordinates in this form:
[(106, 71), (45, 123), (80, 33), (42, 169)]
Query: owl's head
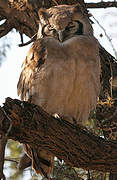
[(63, 22)]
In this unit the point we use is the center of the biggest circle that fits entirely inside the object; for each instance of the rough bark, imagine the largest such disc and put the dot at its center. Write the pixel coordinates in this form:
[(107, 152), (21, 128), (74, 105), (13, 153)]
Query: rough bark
[(30, 124), (106, 117)]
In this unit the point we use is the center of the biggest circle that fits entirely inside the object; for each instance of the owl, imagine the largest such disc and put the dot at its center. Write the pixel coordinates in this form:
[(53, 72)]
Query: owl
[(61, 72)]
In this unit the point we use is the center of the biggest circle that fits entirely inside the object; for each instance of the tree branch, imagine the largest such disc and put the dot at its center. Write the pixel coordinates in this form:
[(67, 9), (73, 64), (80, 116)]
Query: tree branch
[(76, 146), (101, 4), (5, 28), (23, 15), (23, 18)]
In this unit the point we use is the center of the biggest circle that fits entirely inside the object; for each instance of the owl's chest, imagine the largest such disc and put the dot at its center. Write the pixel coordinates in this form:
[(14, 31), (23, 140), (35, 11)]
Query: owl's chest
[(65, 71), (65, 87)]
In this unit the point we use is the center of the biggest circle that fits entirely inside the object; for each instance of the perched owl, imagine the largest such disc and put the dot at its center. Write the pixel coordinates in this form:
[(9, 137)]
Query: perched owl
[(61, 72)]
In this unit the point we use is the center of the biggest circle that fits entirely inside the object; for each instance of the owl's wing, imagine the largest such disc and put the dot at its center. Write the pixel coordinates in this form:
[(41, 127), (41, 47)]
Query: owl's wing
[(42, 161), (34, 60)]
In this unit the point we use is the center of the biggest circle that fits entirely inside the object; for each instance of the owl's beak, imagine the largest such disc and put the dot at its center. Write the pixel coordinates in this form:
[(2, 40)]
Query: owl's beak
[(61, 35)]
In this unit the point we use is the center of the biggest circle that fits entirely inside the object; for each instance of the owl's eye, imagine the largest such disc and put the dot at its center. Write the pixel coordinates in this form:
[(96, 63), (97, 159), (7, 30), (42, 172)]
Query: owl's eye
[(49, 31), (71, 25), (52, 29)]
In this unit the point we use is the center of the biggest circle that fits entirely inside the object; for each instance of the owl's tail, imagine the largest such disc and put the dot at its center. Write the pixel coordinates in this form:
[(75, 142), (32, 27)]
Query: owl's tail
[(42, 160)]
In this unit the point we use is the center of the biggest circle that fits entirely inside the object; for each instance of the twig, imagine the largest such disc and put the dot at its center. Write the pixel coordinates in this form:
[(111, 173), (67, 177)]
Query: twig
[(55, 2), (75, 172), (114, 50), (30, 41), (11, 160), (110, 40), (88, 175), (21, 36)]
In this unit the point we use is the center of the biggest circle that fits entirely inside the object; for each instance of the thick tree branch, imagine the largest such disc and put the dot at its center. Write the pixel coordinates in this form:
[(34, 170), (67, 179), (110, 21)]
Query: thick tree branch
[(77, 147), (23, 18)]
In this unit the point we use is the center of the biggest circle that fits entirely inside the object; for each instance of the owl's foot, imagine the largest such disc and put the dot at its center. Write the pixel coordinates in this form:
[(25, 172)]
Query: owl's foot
[(68, 118)]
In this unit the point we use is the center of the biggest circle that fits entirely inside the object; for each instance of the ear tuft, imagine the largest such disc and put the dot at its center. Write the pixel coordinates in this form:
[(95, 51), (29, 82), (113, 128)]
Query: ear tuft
[(77, 8), (80, 8)]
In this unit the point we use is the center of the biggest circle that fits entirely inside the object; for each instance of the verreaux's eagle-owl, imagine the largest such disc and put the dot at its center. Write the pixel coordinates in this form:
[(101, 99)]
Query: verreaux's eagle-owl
[(61, 72)]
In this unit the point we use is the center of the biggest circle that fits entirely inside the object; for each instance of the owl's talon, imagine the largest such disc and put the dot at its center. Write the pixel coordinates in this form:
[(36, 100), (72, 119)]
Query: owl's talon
[(56, 116)]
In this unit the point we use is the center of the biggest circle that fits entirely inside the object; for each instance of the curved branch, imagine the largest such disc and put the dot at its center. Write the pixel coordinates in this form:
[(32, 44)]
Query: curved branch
[(22, 16), (76, 146)]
